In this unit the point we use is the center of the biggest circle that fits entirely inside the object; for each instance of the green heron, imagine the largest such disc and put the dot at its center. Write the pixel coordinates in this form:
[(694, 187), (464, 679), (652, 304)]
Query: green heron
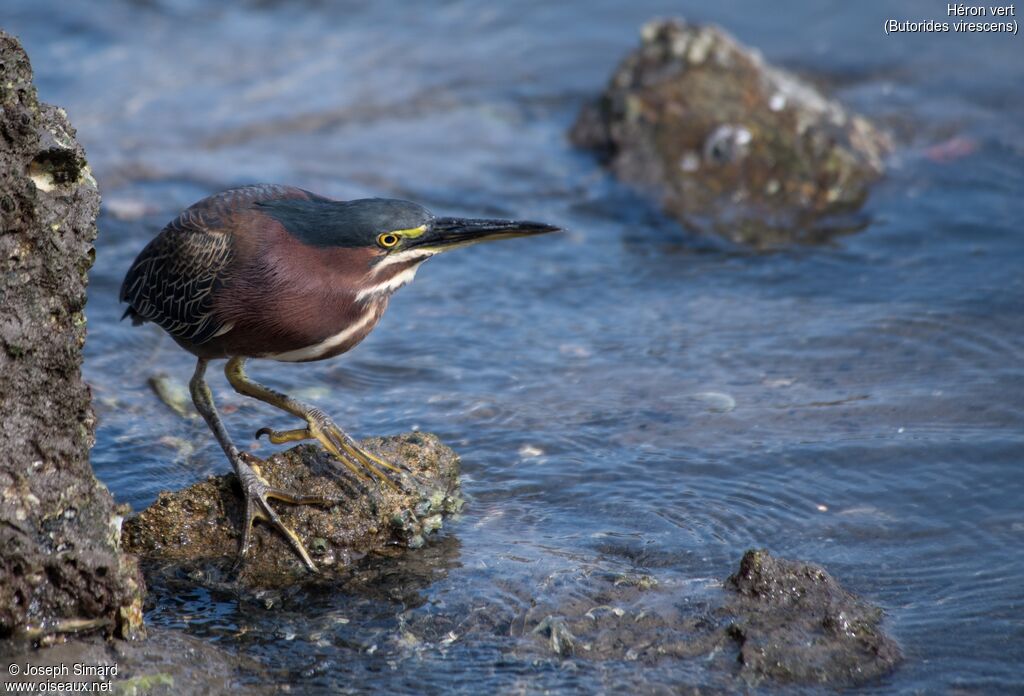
[(281, 273)]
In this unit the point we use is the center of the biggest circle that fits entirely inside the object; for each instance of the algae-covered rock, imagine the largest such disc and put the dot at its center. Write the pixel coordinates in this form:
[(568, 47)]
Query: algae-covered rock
[(730, 144), (794, 622), (200, 527), (61, 569)]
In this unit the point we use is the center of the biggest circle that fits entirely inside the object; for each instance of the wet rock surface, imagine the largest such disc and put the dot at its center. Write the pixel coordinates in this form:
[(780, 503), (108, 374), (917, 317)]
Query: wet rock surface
[(794, 622), (730, 144), (198, 530), (61, 569), (168, 662), (774, 620)]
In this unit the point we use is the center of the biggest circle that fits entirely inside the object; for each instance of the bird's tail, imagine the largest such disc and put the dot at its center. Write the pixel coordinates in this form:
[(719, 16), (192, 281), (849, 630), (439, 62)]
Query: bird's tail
[(135, 316)]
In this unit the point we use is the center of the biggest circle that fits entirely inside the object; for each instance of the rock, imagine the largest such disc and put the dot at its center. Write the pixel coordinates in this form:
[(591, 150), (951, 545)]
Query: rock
[(795, 623), (730, 144), (562, 641), (61, 569), (198, 530), (174, 394), (609, 619), (773, 620), (169, 662)]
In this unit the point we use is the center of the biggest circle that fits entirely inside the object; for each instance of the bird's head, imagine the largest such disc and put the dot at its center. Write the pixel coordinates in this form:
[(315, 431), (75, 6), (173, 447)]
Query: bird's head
[(404, 232), (397, 233)]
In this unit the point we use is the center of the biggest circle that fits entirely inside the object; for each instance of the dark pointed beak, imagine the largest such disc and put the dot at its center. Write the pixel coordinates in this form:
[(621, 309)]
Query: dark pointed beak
[(450, 233)]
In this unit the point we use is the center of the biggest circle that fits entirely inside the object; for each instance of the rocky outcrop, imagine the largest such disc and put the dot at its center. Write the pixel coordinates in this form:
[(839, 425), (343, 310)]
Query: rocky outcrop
[(198, 530), (61, 568), (730, 144)]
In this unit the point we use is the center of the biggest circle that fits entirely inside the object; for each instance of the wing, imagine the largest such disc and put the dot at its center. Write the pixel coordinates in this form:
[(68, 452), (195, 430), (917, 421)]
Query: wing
[(173, 280)]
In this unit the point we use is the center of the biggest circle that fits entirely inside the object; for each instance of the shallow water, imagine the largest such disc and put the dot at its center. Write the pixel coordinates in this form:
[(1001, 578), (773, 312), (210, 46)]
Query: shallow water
[(626, 397)]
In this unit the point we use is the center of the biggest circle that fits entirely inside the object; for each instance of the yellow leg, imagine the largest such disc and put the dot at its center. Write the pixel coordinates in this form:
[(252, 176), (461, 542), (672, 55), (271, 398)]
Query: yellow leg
[(319, 427), (254, 488), (280, 437)]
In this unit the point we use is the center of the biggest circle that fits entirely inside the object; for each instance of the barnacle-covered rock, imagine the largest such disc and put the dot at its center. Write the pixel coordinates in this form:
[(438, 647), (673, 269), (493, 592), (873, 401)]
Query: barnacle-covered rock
[(730, 144), (199, 528)]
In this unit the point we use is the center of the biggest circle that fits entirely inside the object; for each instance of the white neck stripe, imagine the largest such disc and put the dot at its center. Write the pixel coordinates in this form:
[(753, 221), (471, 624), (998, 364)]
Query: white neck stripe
[(402, 257), (390, 285), (328, 344)]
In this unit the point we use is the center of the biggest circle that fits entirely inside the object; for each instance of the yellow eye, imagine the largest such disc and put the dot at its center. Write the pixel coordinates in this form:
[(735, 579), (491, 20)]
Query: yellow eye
[(387, 240)]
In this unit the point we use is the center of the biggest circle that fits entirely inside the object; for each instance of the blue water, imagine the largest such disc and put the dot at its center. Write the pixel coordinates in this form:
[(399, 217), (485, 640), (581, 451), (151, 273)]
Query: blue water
[(877, 381)]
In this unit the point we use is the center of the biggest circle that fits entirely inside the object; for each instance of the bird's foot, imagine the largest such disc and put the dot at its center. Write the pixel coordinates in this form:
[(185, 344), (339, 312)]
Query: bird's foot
[(346, 450), (257, 492)]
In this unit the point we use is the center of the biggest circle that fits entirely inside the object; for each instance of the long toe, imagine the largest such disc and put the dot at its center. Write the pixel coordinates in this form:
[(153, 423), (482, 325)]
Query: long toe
[(361, 463), (257, 493), (399, 477), (364, 466)]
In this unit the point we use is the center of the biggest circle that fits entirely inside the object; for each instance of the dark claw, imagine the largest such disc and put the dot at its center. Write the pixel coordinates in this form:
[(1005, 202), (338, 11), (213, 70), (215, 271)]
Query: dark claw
[(257, 492)]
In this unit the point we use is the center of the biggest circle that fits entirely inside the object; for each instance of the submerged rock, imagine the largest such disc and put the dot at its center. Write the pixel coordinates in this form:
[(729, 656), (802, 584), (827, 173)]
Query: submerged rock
[(731, 144), (174, 394), (199, 528), (782, 620), (61, 568), (774, 619)]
